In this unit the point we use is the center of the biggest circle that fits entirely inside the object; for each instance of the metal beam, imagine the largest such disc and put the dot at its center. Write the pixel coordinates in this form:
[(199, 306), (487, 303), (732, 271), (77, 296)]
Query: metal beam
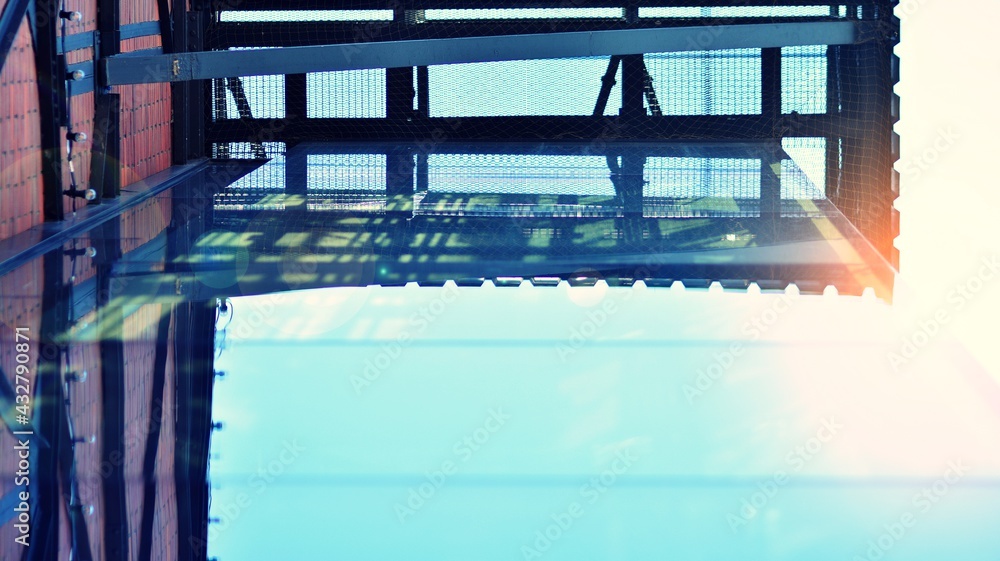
[(111, 321), (193, 425), (189, 109), (109, 30), (138, 69), (10, 21), (484, 4), (166, 26), (51, 72), (536, 128), (153, 433), (226, 34), (607, 83)]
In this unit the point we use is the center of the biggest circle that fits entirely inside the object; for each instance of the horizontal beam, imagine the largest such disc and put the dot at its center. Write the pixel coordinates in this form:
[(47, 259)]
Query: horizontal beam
[(226, 34), (284, 5), (86, 39), (118, 70), (737, 150), (535, 128)]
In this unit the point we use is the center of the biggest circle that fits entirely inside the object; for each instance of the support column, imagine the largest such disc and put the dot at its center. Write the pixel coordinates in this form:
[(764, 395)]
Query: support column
[(188, 98), (111, 321), (51, 69)]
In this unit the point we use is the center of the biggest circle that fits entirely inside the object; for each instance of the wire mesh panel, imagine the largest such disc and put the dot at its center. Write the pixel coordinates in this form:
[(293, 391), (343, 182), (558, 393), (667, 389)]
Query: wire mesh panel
[(568, 180), (345, 94), (804, 79), (520, 87), (707, 83)]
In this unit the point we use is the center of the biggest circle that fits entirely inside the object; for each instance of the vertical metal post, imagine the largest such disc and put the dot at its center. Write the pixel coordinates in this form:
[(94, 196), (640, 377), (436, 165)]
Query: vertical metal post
[(51, 70), (423, 94), (190, 111), (220, 111), (770, 89), (296, 180), (399, 182), (49, 411), (423, 112), (633, 84), (631, 182), (111, 321), (296, 103), (399, 94), (109, 27)]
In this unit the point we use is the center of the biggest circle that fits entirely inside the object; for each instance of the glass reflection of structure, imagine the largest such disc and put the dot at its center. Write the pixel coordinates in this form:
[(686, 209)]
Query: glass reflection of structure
[(120, 396)]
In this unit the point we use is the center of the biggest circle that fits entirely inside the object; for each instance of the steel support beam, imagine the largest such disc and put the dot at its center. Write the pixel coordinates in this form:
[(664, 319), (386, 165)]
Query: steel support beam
[(10, 21), (137, 69), (153, 432), (770, 87), (109, 27), (607, 83), (51, 69), (111, 320), (534, 128), (195, 378), (188, 98), (227, 34), (486, 4)]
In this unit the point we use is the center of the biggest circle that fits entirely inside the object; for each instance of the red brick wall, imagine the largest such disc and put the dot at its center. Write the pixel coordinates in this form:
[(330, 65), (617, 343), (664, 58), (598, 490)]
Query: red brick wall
[(144, 221), (145, 122), (20, 139), (145, 112)]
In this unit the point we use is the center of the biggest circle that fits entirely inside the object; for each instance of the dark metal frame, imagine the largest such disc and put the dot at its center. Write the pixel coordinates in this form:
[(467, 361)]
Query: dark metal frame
[(10, 22), (112, 353), (51, 74), (861, 180)]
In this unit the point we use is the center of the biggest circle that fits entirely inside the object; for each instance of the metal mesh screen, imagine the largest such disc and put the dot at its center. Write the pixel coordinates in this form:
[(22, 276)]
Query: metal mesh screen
[(707, 83)]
